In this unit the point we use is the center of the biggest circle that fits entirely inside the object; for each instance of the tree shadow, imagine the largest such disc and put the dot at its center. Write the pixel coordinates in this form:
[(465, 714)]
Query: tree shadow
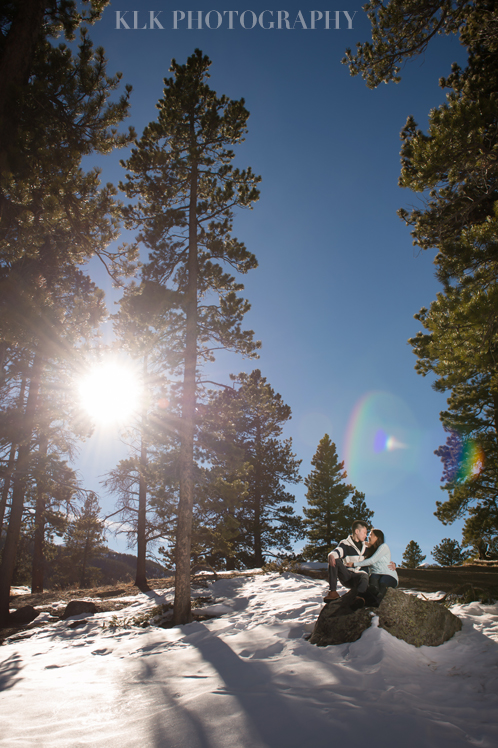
[(9, 671), (263, 706)]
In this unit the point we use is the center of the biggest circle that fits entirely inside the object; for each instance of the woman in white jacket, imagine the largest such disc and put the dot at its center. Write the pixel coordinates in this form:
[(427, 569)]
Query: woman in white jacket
[(377, 559)]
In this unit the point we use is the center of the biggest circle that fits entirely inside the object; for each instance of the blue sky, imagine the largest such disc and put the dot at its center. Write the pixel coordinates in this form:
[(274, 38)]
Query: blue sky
[(338, 280)]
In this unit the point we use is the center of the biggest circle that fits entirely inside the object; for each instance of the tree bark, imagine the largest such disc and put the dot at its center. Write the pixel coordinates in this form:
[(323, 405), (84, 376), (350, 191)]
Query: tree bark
[(6, 483), (12, 461), (37, 571), (182, 608), (18, 491), (258, 549), (84, 560), (141, 578)]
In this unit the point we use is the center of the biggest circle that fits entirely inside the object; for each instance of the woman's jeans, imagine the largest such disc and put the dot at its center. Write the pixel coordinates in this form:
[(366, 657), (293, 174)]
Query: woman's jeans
[(378, 585)]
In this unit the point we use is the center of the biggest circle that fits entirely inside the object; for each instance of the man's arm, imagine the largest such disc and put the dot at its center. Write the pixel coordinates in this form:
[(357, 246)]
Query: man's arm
[(336, 554)]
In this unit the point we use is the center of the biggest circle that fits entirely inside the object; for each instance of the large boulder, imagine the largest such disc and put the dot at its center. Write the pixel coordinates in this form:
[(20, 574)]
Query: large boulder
[(418, 622), (415, 621), (77, 608)]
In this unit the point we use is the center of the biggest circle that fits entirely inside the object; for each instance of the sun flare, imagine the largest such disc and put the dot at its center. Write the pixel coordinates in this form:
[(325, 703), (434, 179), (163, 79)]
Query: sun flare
[(110, 393)]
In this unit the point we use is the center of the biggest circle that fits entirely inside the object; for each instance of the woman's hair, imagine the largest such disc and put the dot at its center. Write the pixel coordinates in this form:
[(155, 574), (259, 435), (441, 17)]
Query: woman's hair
[(372, 548)]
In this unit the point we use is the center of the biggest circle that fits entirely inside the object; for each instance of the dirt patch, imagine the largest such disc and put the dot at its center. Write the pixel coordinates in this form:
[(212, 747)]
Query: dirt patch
[(106, 598), (44, 600)]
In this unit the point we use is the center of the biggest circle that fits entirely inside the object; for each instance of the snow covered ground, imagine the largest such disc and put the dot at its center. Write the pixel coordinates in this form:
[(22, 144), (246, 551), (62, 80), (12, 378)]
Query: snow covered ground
[(247, 678)]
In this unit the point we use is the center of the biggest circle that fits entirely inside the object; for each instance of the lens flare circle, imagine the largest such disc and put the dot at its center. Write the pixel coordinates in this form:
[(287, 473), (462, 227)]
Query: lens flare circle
[(110, 393), (382, 443)]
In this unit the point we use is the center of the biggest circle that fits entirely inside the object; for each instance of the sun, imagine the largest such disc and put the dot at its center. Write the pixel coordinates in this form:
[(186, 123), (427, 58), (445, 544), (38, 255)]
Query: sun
[(110, 393)]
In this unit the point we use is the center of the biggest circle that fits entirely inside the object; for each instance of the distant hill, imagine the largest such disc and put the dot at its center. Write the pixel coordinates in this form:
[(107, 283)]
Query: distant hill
[(121, 567), (114, 567)]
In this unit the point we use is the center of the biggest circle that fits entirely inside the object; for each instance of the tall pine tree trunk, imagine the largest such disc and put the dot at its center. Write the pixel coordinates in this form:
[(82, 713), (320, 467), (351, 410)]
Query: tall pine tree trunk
[(182, 608), (141, 578), (258, 546), (3, 357), (18, 491), (39, 536), (6, 483), (12, 460), (84, 561)]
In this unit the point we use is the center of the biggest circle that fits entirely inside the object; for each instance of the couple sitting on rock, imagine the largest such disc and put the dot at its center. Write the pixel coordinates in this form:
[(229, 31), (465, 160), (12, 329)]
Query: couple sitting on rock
[(352, 562)]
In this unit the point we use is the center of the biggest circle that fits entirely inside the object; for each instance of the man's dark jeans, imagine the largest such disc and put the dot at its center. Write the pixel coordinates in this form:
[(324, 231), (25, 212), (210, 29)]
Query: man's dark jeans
[(347, 577)]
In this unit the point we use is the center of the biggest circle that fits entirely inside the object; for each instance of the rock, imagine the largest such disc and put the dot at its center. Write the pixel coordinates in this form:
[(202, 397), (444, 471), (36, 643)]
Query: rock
[(418, 622), (336, 627), (415, 621), (338, 624), (77, 607), (23, 615)]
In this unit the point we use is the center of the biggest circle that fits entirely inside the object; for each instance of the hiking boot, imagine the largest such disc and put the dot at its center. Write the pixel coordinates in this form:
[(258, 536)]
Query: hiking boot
[(330, 596)]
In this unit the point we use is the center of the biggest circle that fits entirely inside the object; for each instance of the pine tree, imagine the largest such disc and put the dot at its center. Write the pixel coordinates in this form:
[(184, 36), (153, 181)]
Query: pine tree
[(84, 540), (460, 348), (54, 217), (217, 539), (187, 188), (54, 494), (26, 27), (245, 490), (453, 166), (53, 107), (130, 481), (141, 329), (402, 29), (460, 344), (449, 553), (222, 508), (69, 308), (412, 556), (329, 516), (480, 533)]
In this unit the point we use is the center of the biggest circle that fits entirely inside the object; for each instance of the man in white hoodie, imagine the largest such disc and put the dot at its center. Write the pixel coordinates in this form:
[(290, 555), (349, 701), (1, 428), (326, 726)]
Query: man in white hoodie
[(351, 549)]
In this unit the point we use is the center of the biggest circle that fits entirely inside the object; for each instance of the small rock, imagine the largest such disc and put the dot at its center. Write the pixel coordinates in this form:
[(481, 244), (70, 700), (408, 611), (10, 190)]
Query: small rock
[(23, 615), (77, 607)]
